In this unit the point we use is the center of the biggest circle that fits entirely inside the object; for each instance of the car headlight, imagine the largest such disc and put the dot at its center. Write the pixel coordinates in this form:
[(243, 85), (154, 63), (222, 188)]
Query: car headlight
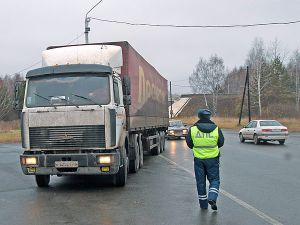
[(171, 131), (185, 131)]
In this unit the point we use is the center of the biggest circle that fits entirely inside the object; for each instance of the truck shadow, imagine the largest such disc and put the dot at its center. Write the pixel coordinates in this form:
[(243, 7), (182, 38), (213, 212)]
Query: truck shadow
[(74, 183)]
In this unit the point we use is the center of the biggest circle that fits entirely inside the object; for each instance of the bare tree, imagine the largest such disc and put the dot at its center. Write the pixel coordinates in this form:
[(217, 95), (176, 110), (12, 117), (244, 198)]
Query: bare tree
[(208, 78), (293, 68), (257, 63), (5, 99)]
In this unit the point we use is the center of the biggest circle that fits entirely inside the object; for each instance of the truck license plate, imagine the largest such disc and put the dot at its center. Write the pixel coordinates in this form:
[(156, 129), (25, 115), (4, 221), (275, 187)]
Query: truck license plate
[(66, 164)]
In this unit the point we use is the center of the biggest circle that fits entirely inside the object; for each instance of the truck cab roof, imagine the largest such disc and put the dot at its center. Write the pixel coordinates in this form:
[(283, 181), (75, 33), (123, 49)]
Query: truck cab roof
[(64, 69)]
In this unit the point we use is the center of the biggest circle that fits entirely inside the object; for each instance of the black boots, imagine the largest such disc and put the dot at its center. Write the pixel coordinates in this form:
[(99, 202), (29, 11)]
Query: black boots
[(213, 204)]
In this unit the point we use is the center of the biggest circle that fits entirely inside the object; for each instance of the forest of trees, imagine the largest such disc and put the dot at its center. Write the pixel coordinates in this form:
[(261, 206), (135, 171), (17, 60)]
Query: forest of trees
[(274, 79), (7, 96)]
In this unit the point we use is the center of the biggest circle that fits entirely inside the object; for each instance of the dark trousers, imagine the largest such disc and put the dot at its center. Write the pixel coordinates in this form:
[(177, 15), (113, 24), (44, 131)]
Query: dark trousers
[(207, 168)]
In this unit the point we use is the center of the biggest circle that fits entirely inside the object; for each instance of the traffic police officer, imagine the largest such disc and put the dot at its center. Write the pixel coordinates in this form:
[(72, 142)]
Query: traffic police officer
[(205, 138)]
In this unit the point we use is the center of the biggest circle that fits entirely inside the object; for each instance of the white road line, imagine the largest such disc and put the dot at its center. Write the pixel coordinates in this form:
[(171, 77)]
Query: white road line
[(252, 209)]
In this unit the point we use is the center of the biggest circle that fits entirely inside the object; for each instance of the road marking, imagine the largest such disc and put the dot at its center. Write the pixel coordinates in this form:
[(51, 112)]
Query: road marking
[(242, 203)]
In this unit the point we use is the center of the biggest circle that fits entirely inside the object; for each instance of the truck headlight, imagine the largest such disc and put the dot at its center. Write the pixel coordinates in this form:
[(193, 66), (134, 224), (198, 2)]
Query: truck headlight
[(29, 161), (185, 131), (104, 159)]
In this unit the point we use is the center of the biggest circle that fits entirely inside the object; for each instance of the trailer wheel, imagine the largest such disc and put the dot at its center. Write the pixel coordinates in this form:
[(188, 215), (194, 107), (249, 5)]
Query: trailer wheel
[(141, 150), (156, 149), (120, 178), (162, 141), (42, 180), (134, 164)]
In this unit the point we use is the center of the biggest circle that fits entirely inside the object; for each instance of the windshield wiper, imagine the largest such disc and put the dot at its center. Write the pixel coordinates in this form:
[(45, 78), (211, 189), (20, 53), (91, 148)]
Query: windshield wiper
[(86, 98), (49, 101)]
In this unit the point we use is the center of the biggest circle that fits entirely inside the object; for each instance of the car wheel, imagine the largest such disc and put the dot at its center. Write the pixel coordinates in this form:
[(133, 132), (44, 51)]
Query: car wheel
[(281, 142), (256, 140), (242, 139)]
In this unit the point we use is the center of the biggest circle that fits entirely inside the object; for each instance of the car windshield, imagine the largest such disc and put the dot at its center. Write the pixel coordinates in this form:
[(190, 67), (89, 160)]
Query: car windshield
[(70, 89), (176, 123), (269, 123)]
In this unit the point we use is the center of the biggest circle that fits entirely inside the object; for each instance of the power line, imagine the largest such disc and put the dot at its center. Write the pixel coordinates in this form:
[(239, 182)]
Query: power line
[(196, 26), (27, 68), (75, 39), (36, 63)]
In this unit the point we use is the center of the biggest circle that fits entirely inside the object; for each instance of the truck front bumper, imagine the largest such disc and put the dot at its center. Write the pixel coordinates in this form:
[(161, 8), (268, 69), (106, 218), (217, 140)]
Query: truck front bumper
[(70, 164)]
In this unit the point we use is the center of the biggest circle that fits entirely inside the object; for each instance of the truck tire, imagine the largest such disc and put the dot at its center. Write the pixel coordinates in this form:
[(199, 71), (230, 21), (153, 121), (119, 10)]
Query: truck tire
[(134, 164), (42, 180), (162, 141), (156, 149), (141, 150), (120, 178), (281, 142)]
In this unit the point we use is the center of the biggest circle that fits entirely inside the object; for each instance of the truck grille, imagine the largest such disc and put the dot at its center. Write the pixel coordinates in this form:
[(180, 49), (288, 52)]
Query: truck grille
[(67, 137)]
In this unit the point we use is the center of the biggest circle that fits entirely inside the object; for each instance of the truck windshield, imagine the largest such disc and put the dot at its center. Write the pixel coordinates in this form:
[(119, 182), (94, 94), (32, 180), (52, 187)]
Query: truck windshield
[(63, 90)]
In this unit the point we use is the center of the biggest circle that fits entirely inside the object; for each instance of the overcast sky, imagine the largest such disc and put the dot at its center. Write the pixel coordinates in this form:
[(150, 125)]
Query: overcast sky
[(28, 27)]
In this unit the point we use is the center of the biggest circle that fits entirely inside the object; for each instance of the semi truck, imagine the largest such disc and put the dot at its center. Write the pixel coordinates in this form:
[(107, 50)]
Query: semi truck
[(91, 109)]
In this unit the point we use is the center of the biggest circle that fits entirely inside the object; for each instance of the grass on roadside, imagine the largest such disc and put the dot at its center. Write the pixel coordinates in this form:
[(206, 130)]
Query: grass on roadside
[(6, 126), (12, 136), (10, 131), (292, 124)]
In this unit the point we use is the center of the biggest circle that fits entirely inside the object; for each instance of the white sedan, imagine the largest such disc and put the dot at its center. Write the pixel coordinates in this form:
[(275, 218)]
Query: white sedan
[(264, 130)]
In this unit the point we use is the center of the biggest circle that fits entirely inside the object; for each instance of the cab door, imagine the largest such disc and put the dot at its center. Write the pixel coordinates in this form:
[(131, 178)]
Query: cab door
[(120, 123)]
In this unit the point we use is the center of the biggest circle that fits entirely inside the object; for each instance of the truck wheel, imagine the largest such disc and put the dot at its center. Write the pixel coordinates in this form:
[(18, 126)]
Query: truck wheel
[(162, 141), (281, 142), (256, 140), (120, 178), (42, 180), (141, 150), (134, 164), (156, 150)]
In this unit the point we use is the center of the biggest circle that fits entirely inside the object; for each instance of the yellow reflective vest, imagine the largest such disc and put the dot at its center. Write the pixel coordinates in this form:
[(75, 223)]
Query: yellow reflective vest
[(205, 144)]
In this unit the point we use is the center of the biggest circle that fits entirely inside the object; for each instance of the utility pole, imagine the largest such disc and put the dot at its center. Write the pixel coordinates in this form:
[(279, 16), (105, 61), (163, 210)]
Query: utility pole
[(297, 87), (248, 84), (171, 108), (205, 101), (243, 99), (87, 29)]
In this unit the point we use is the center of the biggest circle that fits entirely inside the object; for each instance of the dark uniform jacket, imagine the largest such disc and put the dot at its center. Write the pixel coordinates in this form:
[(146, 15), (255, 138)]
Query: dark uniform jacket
[(205, 126)]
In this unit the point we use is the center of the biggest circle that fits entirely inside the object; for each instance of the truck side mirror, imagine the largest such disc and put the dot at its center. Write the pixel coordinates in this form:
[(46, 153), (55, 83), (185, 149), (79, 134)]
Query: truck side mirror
[(126, 85), (127, 100), (19, 95)]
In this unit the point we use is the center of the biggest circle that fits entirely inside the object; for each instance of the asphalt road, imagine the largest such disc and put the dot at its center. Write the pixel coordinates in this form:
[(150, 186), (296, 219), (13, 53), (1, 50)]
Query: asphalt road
[(259, 185)]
